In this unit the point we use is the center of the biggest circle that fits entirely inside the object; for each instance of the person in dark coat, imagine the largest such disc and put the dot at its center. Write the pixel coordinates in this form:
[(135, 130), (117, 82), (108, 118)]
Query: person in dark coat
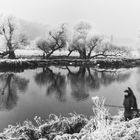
[(134, 101), (130, 105)]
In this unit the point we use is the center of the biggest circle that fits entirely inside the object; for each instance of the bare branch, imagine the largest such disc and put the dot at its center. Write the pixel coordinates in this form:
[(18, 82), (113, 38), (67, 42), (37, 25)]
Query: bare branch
[(55, 40)]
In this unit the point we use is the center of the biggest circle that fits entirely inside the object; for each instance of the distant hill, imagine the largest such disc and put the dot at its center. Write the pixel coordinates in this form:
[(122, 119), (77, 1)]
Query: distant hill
[(33, 29)]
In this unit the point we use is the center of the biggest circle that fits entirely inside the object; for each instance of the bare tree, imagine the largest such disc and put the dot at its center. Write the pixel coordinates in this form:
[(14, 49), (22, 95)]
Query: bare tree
[(56, 40), (92, 45), (111, 50), (13, 39), (78, 41), (83, 41)]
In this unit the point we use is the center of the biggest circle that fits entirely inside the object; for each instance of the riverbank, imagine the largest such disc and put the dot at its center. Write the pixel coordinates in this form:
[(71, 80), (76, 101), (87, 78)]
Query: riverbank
[(101, 126), (21, 64)]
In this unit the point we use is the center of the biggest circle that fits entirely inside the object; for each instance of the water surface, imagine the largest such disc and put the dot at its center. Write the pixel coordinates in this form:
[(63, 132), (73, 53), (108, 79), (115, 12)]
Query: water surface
[(61, 90)]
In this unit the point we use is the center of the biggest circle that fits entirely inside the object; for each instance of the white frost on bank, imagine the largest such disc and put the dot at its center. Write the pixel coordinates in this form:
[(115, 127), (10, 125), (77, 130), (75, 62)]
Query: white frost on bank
[(35, 52)]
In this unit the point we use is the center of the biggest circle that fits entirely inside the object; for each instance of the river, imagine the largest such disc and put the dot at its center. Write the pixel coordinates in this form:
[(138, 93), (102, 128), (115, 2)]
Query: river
[(62, 90)]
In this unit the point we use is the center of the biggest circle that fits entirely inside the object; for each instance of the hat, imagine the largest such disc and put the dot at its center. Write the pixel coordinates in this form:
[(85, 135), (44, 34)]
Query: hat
[(126, 91)]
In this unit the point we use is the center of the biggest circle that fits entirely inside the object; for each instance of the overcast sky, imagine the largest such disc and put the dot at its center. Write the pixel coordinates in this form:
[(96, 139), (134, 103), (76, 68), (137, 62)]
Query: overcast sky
[(117, 17)]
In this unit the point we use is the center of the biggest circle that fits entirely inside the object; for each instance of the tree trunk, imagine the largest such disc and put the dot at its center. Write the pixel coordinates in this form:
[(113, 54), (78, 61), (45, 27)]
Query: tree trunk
[(11, 50), (44, 56), (12, 55), (83, 54), (49, 54), (69, 53)]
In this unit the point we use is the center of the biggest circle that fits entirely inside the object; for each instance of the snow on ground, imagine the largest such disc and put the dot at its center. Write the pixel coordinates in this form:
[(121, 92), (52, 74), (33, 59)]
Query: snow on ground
[(28, 52), (135, 54), (35, 52)]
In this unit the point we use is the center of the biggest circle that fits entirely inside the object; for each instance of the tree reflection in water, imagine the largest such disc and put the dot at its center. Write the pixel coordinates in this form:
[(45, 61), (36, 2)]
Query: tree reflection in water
[(55, 83), (10, 83), (79, 90), (81, 81), (108, 77), (92, 79)]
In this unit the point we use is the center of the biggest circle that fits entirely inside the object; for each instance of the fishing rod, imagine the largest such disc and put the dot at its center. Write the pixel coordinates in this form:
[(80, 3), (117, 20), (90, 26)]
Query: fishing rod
[(120, 107), (113, 106), (108, 105)]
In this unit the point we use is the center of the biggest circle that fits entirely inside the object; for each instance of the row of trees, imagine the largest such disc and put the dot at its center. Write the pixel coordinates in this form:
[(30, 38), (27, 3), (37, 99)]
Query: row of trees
[(80, 38)]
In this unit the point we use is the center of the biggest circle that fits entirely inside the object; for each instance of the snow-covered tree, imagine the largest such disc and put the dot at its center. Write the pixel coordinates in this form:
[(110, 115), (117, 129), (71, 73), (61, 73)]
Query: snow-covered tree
[(93, 42), (83, 41), (56, 39), (107, 49), (89, 44), (11, 35), (78, 41)]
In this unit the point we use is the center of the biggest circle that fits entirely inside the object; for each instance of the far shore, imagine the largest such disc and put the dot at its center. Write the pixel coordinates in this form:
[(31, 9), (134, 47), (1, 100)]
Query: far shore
[(24, 63)]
